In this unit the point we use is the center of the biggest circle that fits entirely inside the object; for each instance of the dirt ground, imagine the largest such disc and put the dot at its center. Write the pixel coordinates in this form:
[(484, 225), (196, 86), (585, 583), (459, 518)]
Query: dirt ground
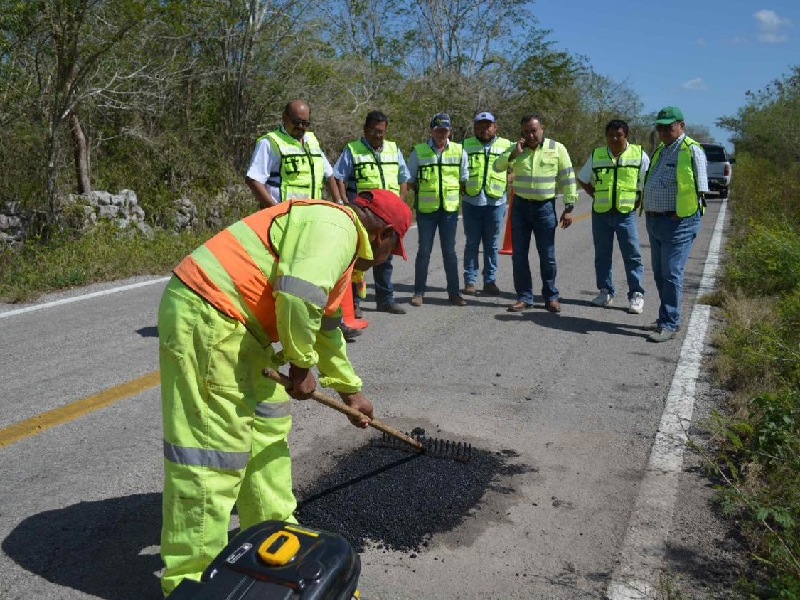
[(705, 556)]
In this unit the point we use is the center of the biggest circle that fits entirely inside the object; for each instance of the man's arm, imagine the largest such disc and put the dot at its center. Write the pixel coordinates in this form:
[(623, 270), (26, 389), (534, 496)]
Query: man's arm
[(258, 173), (334, 190), (260, 192)]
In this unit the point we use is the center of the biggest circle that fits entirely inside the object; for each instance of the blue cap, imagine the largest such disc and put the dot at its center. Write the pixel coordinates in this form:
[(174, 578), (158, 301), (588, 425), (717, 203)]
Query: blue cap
[(441, 121), (485, 116)]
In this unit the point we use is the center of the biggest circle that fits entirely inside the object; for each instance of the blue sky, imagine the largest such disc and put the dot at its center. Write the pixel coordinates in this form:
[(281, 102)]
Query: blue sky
[(701, 56)]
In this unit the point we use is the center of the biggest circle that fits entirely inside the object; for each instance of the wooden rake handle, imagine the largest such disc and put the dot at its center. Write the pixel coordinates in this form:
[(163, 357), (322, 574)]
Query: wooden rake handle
[(349, 411)]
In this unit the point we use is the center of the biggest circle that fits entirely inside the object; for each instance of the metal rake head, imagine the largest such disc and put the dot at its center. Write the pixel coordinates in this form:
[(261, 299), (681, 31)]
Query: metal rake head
[(439, 448)]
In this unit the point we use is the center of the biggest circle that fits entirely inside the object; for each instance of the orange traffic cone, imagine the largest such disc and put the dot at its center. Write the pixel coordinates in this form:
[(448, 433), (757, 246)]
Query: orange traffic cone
[(349, 311), (507, 247)]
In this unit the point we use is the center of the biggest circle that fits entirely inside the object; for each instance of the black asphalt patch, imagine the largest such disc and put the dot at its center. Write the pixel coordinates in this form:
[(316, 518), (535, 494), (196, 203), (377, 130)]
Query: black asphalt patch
[(397, 499)]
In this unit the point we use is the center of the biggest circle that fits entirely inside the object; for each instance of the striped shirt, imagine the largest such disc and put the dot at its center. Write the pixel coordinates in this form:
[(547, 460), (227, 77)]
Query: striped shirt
[(661, 187)]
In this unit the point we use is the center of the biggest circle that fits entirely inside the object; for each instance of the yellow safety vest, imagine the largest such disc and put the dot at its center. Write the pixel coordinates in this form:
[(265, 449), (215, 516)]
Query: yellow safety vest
[(482, 176), (438, 178), (375, 171), (688, 201), (616, 183), (537, 173), (302, 168)]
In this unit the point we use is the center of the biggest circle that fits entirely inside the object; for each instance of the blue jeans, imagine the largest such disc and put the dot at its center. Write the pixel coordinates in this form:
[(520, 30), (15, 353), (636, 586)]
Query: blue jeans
[(384, 290), (427, 223), (671, 241), (482, 224), (537, 218), (604, 227)]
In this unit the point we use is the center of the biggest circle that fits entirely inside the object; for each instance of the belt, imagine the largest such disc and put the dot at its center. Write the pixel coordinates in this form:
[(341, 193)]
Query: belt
[(535, 199), (653, 213)]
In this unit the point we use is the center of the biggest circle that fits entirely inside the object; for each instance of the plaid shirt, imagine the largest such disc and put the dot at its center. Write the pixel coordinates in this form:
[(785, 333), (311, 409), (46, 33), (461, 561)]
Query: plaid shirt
[(661, 187)]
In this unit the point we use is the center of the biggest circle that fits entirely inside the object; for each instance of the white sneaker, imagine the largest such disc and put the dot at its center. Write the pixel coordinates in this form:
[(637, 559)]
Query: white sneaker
[(603, 298), (636, 305)]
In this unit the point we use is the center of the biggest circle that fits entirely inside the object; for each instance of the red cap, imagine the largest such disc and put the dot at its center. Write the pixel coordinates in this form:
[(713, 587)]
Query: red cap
[(388, 206)]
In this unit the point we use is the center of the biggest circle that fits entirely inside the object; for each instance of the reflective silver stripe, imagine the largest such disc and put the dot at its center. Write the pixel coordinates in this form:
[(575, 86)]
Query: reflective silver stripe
[(198, 457), (303, 289), (533, 179), (330, 323), (552, 144), (566, 171), (273, 410), (570, 181)]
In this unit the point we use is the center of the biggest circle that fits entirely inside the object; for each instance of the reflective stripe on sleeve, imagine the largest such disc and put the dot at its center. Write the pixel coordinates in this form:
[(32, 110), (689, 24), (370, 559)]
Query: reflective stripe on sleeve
[(302, 289), (199, 457), (273, 410)]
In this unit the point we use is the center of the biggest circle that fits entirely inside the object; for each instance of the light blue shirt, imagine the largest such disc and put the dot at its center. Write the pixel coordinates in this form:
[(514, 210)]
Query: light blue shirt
[(344, 168), (661, 187), (413, 162)]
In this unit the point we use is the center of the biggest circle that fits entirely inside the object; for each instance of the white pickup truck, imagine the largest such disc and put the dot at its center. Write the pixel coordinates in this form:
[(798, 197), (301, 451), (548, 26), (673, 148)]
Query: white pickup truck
[(719, 168)]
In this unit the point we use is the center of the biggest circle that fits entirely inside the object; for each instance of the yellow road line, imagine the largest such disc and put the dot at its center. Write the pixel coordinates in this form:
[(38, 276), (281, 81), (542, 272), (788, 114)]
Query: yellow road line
[(70, 412)]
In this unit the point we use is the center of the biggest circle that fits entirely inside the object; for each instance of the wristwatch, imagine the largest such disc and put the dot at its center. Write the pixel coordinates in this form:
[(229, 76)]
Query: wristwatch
[(568, 208)]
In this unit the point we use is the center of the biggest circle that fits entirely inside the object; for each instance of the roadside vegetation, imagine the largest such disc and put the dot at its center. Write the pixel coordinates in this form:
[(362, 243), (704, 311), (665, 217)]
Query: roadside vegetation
[(758, 434), (168, 98)]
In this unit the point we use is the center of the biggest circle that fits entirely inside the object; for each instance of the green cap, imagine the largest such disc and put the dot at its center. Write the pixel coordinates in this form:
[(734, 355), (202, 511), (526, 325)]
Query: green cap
[(668, 115)]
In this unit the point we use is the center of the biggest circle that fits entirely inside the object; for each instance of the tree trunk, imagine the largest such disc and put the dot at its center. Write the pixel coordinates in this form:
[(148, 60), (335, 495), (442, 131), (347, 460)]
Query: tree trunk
[(81, 152)]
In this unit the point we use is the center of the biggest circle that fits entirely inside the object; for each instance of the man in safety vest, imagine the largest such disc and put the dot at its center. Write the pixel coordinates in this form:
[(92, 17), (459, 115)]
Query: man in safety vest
[(673, 203), (276, 277), (437, 169), (483, 203), (288, 163), (541, 168), (373, 162), (614, 176)]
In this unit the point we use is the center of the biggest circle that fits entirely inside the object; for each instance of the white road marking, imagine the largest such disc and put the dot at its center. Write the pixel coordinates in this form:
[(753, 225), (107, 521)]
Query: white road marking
[(642, 555), (122, 288)]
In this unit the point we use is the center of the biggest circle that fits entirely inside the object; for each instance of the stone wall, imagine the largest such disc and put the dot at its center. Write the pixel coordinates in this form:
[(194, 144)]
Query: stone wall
[(82, 212)]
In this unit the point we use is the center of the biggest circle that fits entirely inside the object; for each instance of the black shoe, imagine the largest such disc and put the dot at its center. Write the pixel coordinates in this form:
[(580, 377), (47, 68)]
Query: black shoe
[(350, 333), (357, 312), (457, 300), (491, 289), (393, 308)]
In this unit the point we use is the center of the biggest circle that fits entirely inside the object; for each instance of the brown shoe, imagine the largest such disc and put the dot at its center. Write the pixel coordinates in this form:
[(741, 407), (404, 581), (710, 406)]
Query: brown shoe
[(519, 306), (456, 300), (470, 290), (416, 301), (553, 306)]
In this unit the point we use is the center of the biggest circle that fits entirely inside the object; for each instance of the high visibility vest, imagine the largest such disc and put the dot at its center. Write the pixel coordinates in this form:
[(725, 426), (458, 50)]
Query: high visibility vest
[(688, 201), (375, 171), (480, 159), (537, 173), (616, 183), (438, 178), (302, 169), (235, 270)]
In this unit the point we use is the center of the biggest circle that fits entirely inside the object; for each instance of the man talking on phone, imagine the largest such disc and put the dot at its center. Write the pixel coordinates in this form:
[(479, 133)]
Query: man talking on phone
[(541, 168)]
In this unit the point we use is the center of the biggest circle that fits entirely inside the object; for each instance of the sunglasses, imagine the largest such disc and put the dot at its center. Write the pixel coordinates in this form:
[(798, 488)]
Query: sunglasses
[(300, 123)]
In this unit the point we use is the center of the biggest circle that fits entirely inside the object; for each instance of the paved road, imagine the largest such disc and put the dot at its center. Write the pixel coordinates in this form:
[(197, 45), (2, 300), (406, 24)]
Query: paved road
[(570, 403)]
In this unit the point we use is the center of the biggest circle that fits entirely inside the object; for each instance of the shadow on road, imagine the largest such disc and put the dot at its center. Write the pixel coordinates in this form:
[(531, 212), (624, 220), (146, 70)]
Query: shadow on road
[(106, 549)]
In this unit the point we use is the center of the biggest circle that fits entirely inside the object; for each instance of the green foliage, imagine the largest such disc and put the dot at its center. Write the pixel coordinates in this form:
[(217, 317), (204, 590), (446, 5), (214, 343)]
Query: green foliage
[(68, 261), (765, 259), (759, 449)]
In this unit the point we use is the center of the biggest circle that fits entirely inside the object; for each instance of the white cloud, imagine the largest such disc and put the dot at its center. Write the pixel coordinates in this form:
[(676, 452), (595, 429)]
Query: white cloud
[(772, 28), (695, 85)]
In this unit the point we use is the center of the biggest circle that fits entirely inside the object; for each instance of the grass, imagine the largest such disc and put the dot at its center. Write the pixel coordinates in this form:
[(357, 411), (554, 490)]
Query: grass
[(105, 254)]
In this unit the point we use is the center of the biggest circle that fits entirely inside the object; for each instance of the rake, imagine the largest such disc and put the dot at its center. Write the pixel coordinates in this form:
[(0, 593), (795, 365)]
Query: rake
[(392, 437)]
